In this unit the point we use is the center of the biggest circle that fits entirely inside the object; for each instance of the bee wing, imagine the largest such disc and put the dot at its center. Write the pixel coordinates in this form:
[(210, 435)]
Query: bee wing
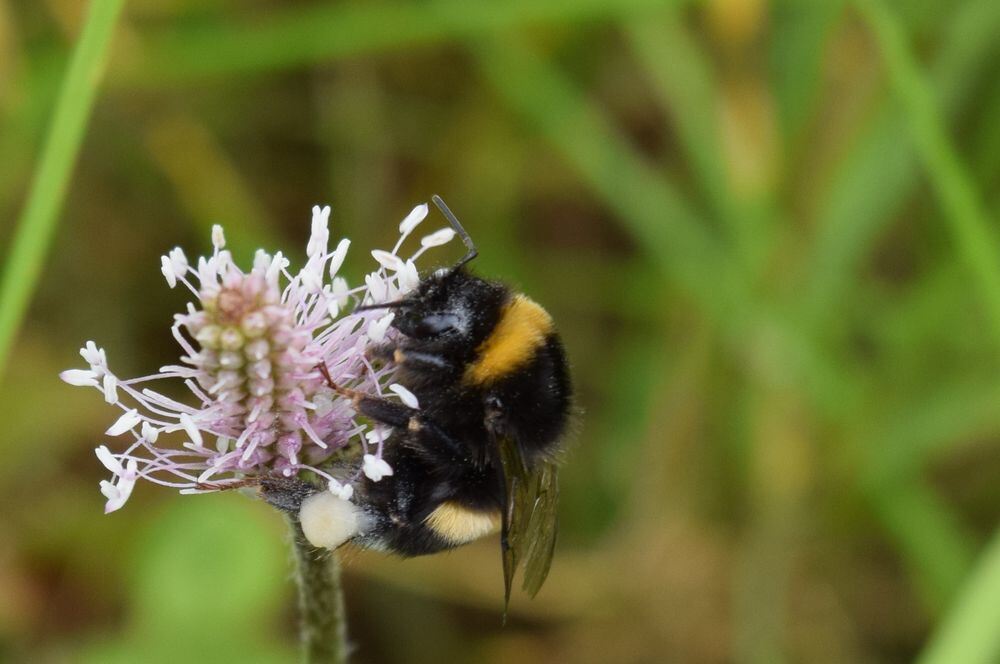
[(530, 526)]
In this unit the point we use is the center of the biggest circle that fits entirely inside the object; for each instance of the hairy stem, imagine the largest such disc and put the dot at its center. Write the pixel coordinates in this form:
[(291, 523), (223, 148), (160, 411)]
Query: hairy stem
[(322, 620)]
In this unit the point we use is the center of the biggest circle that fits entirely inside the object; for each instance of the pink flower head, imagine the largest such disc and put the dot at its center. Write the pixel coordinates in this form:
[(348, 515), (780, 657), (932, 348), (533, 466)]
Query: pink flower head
[(252, 341)]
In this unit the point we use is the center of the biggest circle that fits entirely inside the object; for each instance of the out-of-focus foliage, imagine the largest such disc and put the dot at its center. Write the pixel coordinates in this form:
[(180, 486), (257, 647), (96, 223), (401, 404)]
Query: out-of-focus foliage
[(766, 230)]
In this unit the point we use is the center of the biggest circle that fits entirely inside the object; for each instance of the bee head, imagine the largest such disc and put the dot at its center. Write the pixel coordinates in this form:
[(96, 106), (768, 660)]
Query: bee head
[(450, 304)]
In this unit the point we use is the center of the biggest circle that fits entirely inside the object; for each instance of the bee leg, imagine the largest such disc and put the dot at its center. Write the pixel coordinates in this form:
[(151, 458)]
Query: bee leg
[(392, 353), (447, 448), (286, 493), (382, 410), (403, 417), (400, 416)]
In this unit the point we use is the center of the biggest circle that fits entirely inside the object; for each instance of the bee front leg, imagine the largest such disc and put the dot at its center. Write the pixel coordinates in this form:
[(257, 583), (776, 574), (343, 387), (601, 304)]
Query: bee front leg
[(401, 355), (398, 415), (286, 493)]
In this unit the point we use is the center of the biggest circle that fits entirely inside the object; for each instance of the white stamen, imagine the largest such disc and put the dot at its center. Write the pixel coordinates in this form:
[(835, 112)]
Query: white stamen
[(119, 495), (261, 260), (79, 377), (378, 328), (437, 238), (105, 456), (124, 423), (149, 433), (340, 291), (375, 468), (167, 268), (405, 395), (278, 263), (312, 280), (192, 431), (320, 231), (109, 490), (179, 261), (93, 355), (338, 256), (413, 219), (408, 277), (387, 260), (110, 388), (377, 288), (218, 236)]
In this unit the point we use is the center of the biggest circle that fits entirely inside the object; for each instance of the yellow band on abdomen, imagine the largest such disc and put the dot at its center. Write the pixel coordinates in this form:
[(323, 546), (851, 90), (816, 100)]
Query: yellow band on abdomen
[(457, 524)]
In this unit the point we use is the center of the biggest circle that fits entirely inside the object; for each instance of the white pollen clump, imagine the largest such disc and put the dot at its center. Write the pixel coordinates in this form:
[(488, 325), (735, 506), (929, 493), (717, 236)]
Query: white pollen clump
[(328, 521)]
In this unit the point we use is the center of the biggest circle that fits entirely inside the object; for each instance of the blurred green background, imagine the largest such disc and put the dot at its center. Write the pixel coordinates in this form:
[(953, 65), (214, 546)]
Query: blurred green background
[(765, 228)]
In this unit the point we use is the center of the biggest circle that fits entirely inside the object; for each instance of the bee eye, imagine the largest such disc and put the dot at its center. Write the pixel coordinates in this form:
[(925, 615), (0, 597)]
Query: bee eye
[(428, 325)]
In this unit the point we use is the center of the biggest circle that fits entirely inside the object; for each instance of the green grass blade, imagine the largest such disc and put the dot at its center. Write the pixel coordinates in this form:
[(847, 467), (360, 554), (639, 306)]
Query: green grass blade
[(930, 538), (651, 208), (38, 221), (986, 142), (683, 78), (961, 205), (801, 30), (856, 210), (927, 427), (323, 31), (970, 632)]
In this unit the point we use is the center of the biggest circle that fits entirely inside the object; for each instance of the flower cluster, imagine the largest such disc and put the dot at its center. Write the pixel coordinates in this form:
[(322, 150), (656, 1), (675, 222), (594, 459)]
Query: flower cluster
[(253, 344)]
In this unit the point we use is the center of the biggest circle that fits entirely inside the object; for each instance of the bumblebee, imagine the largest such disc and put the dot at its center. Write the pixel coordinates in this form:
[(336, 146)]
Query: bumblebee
[(480, 454)]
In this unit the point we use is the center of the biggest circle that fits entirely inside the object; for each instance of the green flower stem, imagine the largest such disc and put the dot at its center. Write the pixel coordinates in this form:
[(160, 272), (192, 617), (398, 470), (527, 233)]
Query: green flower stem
[(48, 188), (322, 619)]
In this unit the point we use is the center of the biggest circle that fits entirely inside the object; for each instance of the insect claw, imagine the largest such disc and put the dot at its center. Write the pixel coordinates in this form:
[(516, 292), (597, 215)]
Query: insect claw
[(325, 370), (227, 486)]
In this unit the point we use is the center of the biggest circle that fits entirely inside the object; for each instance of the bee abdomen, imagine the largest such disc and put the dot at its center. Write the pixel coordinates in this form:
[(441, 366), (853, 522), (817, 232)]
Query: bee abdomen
[(457, 524)]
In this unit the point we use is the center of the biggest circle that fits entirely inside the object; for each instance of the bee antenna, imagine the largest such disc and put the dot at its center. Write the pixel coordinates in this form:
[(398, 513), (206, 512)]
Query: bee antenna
[(455, 224), (398, 304)]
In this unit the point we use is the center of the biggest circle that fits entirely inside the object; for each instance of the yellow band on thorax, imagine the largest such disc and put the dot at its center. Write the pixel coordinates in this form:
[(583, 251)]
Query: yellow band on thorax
[(521, 330)]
